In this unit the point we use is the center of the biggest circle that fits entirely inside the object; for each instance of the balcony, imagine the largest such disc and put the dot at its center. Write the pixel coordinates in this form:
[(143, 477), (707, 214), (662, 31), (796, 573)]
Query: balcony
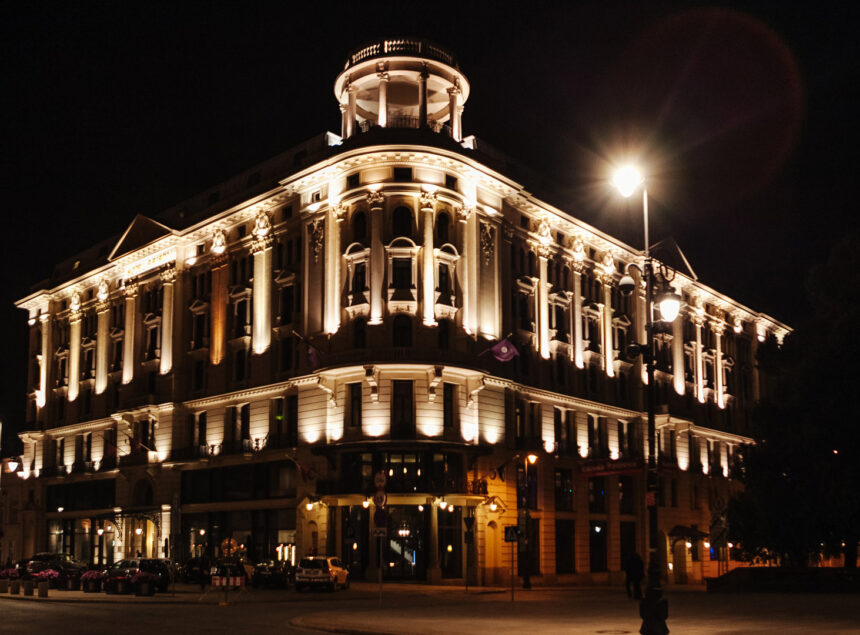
[(404, 46), (135, 458), (240, 446)]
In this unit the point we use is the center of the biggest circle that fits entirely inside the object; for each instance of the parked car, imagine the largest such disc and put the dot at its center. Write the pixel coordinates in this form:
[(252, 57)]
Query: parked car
[(273, 573), (321, 571), (62, 563), (195, 571), (126, 570)]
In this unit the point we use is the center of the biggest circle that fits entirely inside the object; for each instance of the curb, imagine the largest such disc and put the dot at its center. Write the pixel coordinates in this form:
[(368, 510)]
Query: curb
[(312, 624)]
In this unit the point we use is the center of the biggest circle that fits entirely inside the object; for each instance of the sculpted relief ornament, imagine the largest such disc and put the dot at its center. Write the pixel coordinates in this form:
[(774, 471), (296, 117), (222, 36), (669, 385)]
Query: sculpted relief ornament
[(104, 291), (545, 239), (75, 303), (375, 199), (488, 241), (262, 232), (219, 242), (316, 235)]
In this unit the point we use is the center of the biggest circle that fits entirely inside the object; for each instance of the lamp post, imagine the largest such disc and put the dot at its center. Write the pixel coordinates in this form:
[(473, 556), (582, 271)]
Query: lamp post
[(525, 563), (654, 608)]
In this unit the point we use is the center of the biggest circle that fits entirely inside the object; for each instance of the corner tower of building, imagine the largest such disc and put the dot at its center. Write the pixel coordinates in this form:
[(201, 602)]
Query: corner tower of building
[(402, 83)]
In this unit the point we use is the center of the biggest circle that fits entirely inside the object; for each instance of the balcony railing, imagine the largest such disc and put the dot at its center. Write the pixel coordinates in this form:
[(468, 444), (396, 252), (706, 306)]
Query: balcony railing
[(406, 46)]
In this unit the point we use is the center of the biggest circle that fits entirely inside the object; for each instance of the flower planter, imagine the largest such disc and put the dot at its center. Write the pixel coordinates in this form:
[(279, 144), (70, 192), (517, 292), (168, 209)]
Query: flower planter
[(43, 589), (92, 586), (74, 583), (4, 586), (14, 587), (122, 586), (28, 587)]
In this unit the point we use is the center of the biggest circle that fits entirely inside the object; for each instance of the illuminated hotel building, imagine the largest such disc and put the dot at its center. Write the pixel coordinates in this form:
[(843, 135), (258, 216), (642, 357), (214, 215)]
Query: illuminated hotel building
[(245, 364)]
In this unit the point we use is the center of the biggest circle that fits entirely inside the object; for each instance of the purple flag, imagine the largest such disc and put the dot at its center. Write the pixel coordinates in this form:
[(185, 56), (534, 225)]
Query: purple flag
[(504, 351), (313, 356)]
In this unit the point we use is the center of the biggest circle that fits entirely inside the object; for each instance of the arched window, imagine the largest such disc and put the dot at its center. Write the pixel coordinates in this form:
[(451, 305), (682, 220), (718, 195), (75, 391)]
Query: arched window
[(359, 333), (444, 285), (402, 330), (443, 222), (402, 222), (358, 281), (359, 227), (444, 333)]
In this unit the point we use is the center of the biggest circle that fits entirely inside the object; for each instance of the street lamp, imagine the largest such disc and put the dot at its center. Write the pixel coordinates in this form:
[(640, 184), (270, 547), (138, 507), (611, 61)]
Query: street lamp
[(528, 459), (654, 607)]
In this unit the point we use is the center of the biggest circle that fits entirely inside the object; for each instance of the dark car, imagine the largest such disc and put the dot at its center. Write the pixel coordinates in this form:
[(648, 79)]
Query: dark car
[(62, 563), (272, 573), (125, 570), (196, 571)]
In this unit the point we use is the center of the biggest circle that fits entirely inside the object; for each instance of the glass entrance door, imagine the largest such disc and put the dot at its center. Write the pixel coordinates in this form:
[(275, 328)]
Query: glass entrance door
[(404, 551)]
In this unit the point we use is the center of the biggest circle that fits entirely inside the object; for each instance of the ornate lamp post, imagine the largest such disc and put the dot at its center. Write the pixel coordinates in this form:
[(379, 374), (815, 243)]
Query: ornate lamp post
[(654, 608)]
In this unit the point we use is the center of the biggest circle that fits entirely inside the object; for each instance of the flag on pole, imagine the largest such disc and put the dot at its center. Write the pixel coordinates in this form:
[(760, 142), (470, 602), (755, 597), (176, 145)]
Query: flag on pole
[(504, 350), (313, 356)]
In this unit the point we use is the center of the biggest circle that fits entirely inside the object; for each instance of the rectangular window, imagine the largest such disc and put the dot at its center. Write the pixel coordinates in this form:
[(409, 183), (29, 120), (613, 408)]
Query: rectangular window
[(449, 400), (352, 181), (353, 410), (565, 551), (626, 495), (597, 495), (597, 542), (401, 273), (292, 419), (563, 491), (402, 411), (451, 182), (402, 174)]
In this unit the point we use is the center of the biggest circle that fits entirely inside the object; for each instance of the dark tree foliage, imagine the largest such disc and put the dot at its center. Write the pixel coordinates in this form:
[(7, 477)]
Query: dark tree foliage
[(802, 478)]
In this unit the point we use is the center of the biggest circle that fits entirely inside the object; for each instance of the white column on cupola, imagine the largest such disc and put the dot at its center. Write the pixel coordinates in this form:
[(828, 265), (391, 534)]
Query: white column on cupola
[(261, 247), (128, 334), (42, 397), (427, 201), (382, 117), (454, 111), (168, 282), (74, 346), (719, 328), (350, 110), (376, 203), (344, 118), (422, 98), (103, 313)]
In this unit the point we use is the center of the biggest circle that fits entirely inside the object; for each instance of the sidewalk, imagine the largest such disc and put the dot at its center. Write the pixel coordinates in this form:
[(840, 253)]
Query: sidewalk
[(182, 594)]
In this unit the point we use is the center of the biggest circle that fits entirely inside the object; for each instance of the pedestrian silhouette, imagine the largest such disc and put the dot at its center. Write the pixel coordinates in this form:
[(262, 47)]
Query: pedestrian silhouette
[(634, 569)]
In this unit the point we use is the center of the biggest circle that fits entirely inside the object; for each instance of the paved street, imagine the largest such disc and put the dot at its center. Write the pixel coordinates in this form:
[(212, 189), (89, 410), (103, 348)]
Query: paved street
[(421, 609)]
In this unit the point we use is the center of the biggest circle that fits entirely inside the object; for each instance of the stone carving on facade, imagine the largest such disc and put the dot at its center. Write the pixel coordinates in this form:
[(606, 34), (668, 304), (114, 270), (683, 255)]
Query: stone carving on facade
[(339, 212), (488, 241), (739, 325), (168, 275), (427, 200), (375, 199), (508, 231), (464, 213), (75, 303), (103, 291), (316, 236), (219, 242), (262, 225)]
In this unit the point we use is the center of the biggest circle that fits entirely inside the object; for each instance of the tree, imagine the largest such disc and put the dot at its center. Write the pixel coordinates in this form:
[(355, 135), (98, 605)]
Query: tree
[(801, 477)]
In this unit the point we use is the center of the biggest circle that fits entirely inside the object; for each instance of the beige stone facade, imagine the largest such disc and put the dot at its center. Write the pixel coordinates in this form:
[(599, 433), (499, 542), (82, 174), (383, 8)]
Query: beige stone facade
[(243, 366)]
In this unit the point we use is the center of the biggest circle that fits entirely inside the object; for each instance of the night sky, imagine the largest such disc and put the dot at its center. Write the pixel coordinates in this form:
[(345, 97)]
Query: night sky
[(741, 114)]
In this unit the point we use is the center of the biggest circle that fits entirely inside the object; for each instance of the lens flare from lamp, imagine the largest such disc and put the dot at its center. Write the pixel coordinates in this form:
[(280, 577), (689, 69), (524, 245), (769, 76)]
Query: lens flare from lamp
[(13, 465), (309, 506), (365, 503), (138, 531), (493, 507), (626, 180)]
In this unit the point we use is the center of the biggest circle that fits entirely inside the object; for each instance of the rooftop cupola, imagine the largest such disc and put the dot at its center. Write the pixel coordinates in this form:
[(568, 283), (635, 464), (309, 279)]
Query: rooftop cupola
[(403, 83)]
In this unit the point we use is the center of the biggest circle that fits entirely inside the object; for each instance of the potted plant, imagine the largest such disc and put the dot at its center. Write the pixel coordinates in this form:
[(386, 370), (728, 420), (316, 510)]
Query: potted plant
[(144, 583), (92, 581), (44, 578), (73, 582)]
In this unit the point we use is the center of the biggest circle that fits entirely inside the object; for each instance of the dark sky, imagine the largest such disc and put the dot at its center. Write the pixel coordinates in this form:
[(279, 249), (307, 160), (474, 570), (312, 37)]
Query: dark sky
[(742, 114)]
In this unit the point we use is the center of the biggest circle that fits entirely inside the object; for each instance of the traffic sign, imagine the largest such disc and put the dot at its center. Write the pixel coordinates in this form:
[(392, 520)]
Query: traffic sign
[(379, 479), (380, 532), (512, 533), (379, 498)]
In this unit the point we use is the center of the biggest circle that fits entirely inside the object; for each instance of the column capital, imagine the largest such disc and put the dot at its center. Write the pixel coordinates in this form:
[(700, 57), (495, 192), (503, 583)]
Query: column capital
[(718, 327), (454, 90), (464, 212), (375, 199), (130, 289), (168, 275), (259, 244), (427, 201), (383, 76)]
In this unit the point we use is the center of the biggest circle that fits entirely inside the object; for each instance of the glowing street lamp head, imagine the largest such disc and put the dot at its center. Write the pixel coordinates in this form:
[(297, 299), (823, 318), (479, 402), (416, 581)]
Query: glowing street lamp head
[(532, 458), (670, 305), (627, 179)]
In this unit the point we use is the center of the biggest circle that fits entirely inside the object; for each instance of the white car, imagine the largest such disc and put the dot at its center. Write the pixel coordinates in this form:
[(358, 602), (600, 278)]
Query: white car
[(321, 571)]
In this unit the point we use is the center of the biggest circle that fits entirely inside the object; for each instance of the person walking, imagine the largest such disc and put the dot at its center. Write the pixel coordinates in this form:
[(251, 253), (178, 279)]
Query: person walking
[(634, 569)]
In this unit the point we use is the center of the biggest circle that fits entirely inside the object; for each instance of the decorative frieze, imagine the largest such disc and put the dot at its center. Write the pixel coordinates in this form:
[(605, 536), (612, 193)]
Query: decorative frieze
[(488, 242)]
